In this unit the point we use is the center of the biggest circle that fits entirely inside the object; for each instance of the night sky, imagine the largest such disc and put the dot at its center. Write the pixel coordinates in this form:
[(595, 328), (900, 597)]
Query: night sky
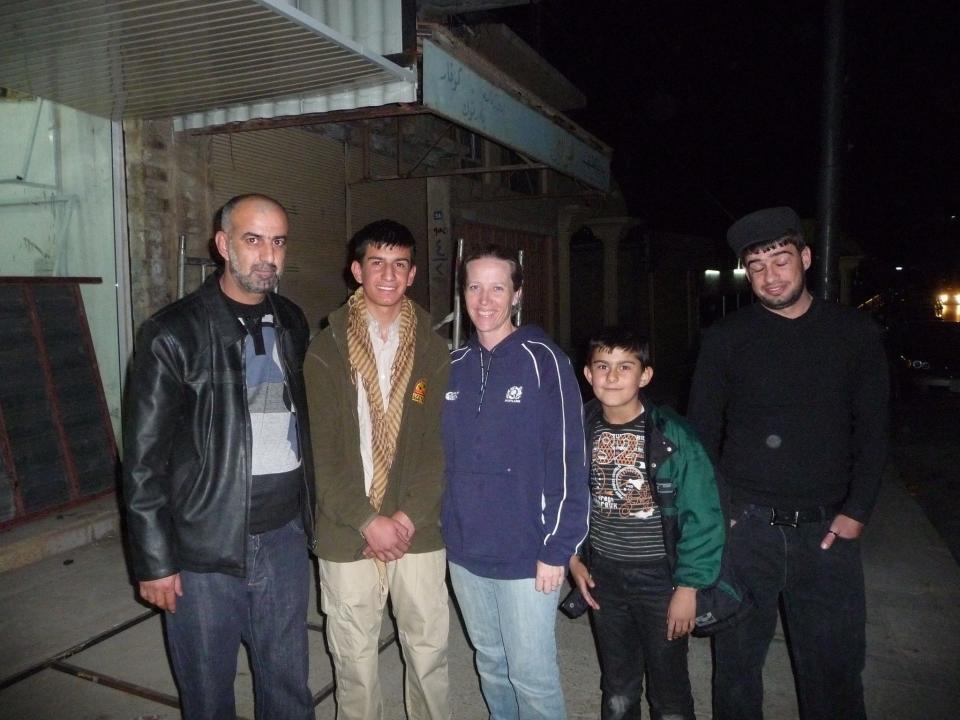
[(714, 110)]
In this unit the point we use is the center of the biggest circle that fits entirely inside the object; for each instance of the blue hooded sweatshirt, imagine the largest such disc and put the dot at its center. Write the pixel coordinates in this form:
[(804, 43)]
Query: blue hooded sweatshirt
[(517, 485)]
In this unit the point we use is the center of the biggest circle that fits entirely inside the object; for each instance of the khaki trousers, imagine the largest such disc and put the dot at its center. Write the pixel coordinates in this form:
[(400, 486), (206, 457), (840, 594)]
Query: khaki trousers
[(353, 600)]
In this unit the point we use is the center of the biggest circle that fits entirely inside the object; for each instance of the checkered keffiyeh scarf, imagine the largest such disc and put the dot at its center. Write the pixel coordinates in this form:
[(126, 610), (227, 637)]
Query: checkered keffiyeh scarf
[(385, 422)]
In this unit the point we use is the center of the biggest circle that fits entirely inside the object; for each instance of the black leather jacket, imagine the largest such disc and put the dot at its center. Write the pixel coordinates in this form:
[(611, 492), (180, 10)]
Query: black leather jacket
[(187, 436)]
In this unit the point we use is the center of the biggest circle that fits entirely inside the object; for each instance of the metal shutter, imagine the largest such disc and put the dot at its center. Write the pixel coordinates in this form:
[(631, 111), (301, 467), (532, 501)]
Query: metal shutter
[(305, 172), (402, 200)]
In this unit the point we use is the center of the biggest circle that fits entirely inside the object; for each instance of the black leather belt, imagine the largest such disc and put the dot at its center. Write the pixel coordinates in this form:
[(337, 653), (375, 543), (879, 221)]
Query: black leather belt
[(793, 518)]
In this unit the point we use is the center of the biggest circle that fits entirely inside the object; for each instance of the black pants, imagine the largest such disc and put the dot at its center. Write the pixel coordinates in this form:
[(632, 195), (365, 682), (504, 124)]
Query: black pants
[(824, 615), (631, 628)]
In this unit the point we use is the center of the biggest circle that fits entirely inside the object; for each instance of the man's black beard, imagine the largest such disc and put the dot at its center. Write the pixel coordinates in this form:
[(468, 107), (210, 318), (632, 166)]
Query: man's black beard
[(783, 303), (254, 286)]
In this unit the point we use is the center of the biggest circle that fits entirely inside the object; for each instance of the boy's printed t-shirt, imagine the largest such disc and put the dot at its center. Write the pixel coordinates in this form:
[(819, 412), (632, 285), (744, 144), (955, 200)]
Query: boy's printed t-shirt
[(624, 517)]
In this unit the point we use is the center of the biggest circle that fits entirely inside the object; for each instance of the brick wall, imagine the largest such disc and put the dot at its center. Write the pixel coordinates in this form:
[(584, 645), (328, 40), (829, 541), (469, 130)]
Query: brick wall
[(168, 193)]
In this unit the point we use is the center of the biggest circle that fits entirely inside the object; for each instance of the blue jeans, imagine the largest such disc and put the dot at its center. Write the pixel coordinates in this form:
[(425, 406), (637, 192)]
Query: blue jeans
[(266, 611), (631, 631), (512, 628), (824, 617)]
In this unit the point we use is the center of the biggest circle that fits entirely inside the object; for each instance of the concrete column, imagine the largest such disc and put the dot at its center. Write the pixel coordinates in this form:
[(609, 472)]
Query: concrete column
[(153, 231), (610, 230), (567, 223), (610, 246)]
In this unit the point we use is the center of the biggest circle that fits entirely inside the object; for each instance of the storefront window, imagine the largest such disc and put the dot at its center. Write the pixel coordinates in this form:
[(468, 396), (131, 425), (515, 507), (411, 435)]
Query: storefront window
[(57, 213)]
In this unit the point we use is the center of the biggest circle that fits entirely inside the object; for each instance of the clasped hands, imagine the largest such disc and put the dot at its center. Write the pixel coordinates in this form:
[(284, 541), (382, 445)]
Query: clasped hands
[(388, 538)]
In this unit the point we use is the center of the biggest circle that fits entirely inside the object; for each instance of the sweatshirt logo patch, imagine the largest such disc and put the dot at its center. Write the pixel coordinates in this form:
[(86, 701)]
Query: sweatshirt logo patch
[(452, 395), (514, 394), (420, 391)]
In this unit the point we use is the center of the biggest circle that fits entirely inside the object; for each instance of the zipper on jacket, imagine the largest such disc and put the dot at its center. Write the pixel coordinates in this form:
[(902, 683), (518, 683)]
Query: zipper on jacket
[(484, 376), (248, 447)]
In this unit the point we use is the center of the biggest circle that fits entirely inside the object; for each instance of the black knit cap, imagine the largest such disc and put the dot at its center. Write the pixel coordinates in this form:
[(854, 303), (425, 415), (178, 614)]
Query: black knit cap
[(762, 226)]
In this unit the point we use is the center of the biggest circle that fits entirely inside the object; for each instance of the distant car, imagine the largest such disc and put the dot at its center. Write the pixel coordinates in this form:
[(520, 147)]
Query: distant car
[(947, 306), (929, 355)]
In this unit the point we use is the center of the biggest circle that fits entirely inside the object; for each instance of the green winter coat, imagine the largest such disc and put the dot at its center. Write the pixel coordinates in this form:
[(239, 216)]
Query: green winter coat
[(675, 456)]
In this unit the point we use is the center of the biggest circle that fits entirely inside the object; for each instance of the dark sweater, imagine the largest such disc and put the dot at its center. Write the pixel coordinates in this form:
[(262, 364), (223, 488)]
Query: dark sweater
[(794, 412)]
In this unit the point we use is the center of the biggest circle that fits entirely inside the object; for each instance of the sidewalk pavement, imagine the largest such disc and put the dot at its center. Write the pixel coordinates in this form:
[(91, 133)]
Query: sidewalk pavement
[(73, 613)]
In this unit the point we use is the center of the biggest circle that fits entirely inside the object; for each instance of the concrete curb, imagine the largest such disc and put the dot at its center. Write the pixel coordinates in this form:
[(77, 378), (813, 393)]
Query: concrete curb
[(58, 533)]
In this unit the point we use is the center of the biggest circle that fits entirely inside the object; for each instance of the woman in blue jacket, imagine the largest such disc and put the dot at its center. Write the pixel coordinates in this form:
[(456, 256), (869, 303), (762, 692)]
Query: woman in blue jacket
[(516, 502)]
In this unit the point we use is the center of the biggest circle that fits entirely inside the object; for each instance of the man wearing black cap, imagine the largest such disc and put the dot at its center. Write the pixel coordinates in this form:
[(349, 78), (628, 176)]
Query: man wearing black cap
[(790, 398)]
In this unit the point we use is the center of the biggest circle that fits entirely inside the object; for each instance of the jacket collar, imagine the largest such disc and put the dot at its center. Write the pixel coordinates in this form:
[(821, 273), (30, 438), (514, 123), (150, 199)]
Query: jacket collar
[(593, 409), (656, 442), (227, 327)]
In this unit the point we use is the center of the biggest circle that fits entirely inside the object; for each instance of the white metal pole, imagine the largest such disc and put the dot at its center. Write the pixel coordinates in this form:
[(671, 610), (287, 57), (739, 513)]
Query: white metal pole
[(520, 301), (181, 264), (457, 310)]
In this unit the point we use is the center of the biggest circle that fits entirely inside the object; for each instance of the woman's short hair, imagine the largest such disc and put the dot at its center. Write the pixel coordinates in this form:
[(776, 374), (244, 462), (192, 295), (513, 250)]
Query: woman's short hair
[(497, 252)]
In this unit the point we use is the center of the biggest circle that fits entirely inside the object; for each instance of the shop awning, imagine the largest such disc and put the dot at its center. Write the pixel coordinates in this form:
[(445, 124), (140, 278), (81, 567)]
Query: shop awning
[(161, 58), (489, 103)]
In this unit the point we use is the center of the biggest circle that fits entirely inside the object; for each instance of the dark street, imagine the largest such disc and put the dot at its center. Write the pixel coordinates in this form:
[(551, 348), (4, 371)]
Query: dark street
[(926, 451)]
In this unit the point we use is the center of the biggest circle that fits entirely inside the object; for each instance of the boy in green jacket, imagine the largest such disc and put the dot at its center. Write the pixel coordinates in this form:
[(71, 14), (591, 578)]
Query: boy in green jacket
[(642, 612)]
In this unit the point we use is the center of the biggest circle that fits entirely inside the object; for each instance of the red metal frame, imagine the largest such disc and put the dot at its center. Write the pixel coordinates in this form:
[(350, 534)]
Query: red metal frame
[(76, 498), (12, 469), (51, 392), (91, 353)]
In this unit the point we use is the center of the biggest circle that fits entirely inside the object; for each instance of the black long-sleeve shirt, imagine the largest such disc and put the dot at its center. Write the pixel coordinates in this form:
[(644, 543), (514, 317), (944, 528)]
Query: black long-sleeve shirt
[(795, 411)]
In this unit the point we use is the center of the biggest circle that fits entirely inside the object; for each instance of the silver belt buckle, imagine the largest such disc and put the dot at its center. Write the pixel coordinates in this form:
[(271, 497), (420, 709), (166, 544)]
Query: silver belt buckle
[(784, 517)]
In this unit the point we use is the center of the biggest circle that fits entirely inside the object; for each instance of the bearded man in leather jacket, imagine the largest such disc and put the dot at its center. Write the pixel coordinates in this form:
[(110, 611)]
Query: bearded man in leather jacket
[(218, 479)]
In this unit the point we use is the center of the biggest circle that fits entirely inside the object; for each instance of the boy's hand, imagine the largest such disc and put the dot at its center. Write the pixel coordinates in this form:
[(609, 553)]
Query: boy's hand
[(583, 580), (681, 613)]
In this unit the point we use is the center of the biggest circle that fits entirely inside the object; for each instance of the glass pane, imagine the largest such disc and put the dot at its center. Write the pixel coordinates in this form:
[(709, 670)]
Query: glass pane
[(57, 214)]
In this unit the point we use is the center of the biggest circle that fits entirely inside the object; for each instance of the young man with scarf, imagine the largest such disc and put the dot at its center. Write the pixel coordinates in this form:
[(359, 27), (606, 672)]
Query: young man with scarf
[(375, 382)]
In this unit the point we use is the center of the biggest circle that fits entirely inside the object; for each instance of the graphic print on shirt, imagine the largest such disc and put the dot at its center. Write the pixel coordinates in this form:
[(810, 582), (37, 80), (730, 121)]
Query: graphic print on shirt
[(624, 517), (620, 472), (514, 394)]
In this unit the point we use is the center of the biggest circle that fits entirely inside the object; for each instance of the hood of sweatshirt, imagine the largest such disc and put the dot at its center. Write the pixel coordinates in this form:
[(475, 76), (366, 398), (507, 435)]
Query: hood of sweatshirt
[(511, 343)]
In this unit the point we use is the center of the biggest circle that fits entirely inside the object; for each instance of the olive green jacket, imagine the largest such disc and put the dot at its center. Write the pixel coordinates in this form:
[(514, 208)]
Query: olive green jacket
[(415, 483)]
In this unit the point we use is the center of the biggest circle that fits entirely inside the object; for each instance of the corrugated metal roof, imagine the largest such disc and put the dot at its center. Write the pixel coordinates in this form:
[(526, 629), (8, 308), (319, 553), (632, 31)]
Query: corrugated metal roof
[(375, 24), (158, 58), (308, 104)]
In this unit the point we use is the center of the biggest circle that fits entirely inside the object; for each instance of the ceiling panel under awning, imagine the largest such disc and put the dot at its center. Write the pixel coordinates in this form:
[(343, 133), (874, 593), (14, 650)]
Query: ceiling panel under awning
[(159, 58)]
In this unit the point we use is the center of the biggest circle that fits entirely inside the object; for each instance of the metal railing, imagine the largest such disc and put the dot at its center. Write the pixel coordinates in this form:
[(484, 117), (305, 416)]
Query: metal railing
[(183, 260)]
